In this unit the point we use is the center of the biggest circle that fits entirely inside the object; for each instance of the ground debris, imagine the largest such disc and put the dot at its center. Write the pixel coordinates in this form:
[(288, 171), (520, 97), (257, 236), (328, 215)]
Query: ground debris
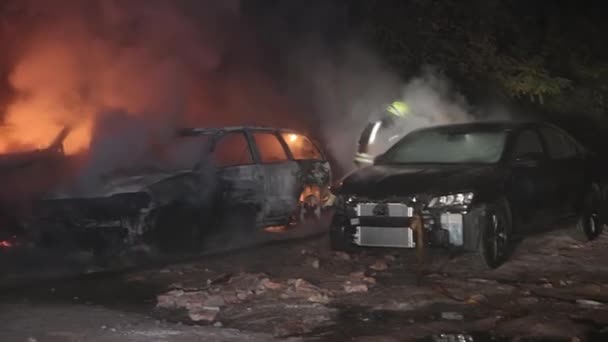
[(482, 281), (204, 304), (477, 299), (527, 301), (205, 314), (300, 288), (360, 276), (271, 285), (350, 287), (452, 316), (588, 303), (313, 262), (342, 256), (452, 338), (248, 281), (379, 265), (390, 258)]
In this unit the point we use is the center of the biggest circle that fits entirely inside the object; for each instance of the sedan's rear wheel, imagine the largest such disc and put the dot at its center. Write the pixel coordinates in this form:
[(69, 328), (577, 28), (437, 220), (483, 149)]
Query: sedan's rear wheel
[(495, 235), (589, 224)]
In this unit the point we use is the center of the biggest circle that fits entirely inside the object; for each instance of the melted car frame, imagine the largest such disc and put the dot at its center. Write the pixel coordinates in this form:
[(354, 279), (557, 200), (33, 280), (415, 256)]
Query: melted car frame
[(230, 180)]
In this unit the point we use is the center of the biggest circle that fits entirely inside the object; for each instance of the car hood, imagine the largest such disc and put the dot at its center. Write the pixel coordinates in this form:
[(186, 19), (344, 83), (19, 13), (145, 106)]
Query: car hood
[(119, 183), (381, 181)]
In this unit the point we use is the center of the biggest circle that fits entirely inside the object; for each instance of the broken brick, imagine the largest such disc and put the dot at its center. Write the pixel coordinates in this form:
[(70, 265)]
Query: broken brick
[(379, 265)]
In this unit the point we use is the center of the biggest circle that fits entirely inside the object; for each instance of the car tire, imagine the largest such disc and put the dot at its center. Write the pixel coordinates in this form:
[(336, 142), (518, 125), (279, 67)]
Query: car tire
[(495, 234), (589, 224), (309, 208)]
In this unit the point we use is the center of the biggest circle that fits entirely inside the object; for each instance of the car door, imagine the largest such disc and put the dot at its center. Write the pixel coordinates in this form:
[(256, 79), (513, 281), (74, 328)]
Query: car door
[(240, 179), (280, 175), (314, 169), (566, 167), (532, 186)]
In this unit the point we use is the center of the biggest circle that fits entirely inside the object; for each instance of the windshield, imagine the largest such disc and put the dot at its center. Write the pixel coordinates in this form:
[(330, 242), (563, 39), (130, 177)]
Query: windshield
[(450, 147)]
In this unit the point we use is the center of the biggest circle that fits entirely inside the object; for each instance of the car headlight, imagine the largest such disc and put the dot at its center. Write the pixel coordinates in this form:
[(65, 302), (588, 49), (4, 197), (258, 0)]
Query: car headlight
[(452, 200)]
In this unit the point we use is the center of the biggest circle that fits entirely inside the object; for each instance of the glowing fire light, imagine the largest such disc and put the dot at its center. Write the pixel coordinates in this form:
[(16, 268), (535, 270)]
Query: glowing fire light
[(292, 137), (6, 244), (27, 135)]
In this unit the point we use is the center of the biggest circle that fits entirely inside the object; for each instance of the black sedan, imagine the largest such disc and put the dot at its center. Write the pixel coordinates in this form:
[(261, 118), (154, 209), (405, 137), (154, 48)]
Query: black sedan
[(471, 187)]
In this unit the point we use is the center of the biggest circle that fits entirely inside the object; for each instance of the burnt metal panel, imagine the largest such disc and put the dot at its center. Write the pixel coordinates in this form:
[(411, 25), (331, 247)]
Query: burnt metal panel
[(242, 185), (281, 189)]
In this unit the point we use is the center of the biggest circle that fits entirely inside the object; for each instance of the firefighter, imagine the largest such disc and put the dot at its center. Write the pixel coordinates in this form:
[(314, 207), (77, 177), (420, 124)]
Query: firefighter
[(381, 134)]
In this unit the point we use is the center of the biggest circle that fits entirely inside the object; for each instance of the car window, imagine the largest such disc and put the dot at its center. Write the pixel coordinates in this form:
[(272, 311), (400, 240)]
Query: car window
[(270, 148), (232, 149), (301, 147), (559, 145), (528, 144)]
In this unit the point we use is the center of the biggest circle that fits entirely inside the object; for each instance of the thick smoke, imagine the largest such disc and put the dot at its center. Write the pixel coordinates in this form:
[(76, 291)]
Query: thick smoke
[(157, 65), (164, 63), (353, 87)]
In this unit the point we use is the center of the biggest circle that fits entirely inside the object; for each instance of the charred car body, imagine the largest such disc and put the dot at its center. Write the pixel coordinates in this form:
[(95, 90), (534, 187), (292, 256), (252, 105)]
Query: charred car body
[(473, 187), (23, 175), (205, 182)]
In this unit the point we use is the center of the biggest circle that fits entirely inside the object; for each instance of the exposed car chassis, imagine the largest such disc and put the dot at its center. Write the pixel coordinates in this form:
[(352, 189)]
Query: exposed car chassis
[(392, 223), (176, 208)]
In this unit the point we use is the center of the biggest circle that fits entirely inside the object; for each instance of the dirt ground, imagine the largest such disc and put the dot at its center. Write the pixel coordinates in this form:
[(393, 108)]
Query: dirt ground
[(552, 289)]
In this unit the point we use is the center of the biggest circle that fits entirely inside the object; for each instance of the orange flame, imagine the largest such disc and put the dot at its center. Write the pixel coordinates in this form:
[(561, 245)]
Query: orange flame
[(28, 131)]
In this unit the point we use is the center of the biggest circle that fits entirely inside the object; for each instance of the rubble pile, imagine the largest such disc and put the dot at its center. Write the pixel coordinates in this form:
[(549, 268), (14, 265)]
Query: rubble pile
[(358, 282), (204, 304)]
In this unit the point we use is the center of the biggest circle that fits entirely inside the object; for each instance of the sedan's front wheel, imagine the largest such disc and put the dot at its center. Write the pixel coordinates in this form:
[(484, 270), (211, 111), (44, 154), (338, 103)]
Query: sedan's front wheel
[(495, 235)]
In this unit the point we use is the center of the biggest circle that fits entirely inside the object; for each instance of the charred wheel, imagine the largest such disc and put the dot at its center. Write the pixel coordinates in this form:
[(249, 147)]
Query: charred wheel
[(309, 206), (310, 209), (495, 233)]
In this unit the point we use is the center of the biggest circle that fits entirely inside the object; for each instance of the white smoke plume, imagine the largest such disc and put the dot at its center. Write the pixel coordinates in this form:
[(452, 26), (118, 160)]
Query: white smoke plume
[(353, 87)]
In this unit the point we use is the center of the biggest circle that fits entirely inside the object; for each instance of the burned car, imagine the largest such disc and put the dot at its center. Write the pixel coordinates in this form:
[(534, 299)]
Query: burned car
[(206, 181), (471, 187)]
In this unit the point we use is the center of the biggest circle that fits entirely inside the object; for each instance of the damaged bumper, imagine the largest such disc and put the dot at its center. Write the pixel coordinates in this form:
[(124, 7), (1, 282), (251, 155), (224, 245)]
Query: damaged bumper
[(90, 221), (96, 208), (392, 224)]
